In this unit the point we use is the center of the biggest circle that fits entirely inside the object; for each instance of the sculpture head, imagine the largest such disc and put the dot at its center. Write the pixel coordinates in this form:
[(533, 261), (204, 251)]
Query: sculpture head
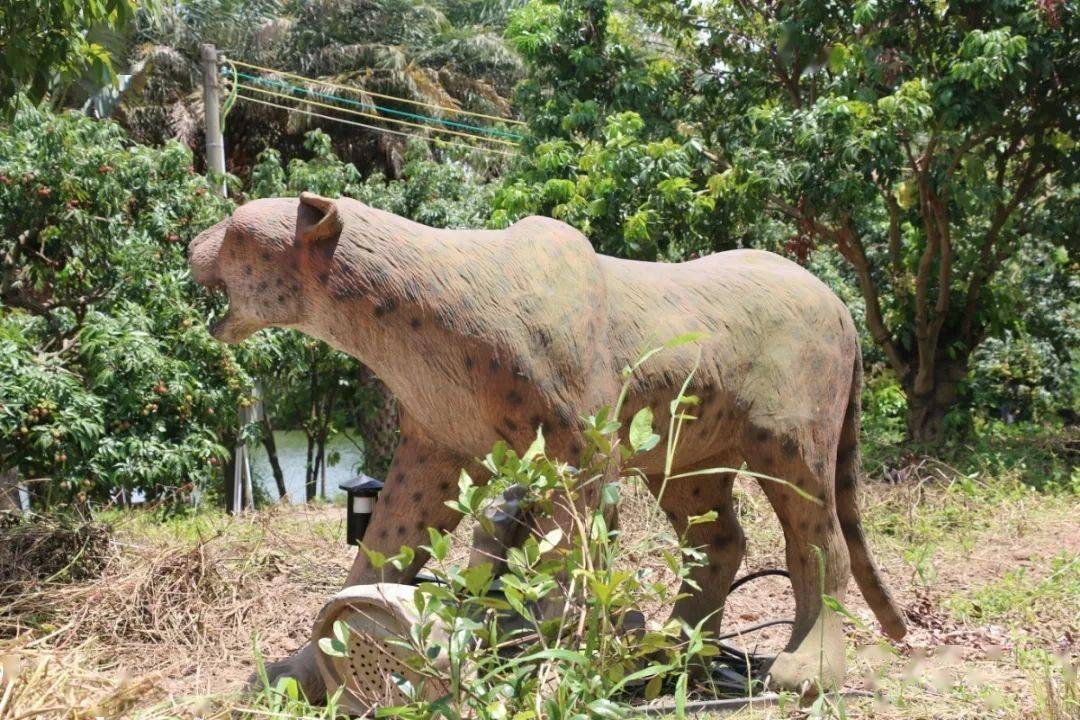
[(259, 257)]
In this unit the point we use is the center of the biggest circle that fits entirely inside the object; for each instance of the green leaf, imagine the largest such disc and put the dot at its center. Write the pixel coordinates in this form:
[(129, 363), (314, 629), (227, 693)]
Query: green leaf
[(702, 519), (642, 437), (838, 56), (440, 543), (838, 607), (685, 339), (602, 707), (551, 540), (288, 687), (331, 647), (680, 696), (609, 494), (376, 558), (653, 688), (477, 578), (536, 449), (341, 632)]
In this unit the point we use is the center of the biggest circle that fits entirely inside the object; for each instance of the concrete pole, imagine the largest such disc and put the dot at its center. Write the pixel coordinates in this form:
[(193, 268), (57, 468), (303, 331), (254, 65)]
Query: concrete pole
[(215, 163), (215, 142)]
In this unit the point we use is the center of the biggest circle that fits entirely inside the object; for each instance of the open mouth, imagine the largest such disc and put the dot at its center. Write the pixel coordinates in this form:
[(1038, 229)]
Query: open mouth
[(219, 310), (225, 325)]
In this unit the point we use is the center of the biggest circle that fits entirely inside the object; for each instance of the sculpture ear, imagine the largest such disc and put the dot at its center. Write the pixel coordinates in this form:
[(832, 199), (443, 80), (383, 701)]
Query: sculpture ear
[(318, 219)]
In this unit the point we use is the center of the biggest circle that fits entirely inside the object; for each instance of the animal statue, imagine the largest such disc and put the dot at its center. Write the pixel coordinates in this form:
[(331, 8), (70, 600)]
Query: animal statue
[(484, 335)]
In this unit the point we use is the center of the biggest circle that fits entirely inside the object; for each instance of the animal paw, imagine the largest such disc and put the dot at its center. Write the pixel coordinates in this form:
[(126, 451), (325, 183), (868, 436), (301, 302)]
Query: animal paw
[(299, 666), (807, 671)]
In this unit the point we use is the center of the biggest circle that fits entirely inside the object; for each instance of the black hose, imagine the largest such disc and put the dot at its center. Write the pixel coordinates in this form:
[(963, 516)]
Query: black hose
[(755, 575), (752, 628)]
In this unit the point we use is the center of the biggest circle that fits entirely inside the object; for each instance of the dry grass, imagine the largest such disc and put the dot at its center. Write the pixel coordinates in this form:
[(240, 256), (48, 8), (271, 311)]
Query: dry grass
[(158, 620)]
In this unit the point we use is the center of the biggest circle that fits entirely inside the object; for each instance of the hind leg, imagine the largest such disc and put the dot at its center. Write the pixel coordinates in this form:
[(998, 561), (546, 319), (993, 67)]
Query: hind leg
[(722, 541), (817, 557)]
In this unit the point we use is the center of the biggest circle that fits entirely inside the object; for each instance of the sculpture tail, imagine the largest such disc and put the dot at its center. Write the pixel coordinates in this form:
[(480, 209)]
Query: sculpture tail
[(863, 566)]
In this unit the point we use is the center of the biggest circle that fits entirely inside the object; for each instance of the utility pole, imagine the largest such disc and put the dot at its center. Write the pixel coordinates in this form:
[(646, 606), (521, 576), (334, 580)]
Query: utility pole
[(215, 142), (241, 497)]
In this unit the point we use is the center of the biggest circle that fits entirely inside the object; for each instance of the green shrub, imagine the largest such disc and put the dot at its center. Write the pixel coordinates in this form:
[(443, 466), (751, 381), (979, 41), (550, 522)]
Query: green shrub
[(570, 584), (109, 379), (572, 650)]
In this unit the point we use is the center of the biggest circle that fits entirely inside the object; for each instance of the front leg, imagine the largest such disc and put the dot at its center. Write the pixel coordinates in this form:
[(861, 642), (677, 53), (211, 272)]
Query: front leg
[(422, 477)]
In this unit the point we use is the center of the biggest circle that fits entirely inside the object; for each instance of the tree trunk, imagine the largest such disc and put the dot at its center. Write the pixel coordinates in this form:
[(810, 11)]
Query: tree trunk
[(9, 490), (309, 470), (925, 420), (320, 465), (272, 456), (926, 411), (230, 480)]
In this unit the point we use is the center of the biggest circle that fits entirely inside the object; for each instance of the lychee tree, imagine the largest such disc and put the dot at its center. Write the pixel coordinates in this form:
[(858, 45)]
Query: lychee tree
[(108, 380)]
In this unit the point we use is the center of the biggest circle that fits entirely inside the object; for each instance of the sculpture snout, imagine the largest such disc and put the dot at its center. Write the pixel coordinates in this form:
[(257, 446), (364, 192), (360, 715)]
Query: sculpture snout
[(203, 254)]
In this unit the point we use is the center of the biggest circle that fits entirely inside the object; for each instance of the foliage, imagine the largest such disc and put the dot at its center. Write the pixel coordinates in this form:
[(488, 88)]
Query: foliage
[(444, 53), (1031, 371), (1032, 456), (110, 380), (569, 588), (608, 152), (43, 42), (926, 143), (884, 407), (922, 141), (439, 194), (631, 195)]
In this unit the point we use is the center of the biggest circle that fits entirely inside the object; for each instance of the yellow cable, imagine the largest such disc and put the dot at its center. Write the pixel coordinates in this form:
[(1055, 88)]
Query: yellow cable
[(375, 116), (378, 95), (379, 129)]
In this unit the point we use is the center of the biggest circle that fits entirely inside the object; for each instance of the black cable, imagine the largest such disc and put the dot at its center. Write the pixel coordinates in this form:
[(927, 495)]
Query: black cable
[(755, 575), (753, 628)]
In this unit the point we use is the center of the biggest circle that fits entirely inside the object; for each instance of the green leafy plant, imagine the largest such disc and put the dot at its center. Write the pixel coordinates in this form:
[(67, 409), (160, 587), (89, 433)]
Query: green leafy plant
[(925, 162), (43, 44), (558, 638), (110, 381)]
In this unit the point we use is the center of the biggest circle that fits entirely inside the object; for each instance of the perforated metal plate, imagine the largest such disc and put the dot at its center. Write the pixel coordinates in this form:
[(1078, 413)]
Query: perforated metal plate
[(375, 615)]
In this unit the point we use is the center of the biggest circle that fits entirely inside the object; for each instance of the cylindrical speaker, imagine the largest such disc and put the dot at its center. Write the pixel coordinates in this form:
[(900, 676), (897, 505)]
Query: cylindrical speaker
[(372, 666)]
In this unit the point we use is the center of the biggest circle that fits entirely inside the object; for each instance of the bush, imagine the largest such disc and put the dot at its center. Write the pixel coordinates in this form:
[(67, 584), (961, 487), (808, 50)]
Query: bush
[(560, 640), (572, 650), (109, 379)]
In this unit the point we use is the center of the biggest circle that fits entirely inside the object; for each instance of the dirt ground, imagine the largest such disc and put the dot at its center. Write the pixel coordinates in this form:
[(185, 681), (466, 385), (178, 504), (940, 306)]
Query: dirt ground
[(988, 573)]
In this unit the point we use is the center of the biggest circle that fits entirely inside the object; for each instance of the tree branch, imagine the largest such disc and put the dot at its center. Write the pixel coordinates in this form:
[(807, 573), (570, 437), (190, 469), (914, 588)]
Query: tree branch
[(851, 248), (993, 251), (893, 209), (924, 337)]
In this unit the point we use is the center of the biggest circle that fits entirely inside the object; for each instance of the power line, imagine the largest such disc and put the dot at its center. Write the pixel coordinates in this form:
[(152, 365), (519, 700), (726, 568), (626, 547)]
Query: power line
[(373, 115), (327, 83), (287, 108), (380, 108)]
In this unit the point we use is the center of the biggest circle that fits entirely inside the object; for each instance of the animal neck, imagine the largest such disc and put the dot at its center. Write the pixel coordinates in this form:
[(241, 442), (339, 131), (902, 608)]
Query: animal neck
[(377, 295)]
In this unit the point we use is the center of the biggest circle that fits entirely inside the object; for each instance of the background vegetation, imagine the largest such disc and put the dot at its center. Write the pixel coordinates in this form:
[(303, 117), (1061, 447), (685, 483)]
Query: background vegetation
[(921, 159)]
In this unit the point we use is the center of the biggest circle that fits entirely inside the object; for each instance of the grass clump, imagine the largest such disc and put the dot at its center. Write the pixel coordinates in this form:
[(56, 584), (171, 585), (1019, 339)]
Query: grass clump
[(37, 548)]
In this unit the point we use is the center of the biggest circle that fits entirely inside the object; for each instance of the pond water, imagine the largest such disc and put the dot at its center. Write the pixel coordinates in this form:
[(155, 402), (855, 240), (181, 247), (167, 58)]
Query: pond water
[(292, 454)]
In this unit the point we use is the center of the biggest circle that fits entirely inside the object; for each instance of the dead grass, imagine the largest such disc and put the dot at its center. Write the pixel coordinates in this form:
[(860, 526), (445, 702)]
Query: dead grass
[(161, 622)]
